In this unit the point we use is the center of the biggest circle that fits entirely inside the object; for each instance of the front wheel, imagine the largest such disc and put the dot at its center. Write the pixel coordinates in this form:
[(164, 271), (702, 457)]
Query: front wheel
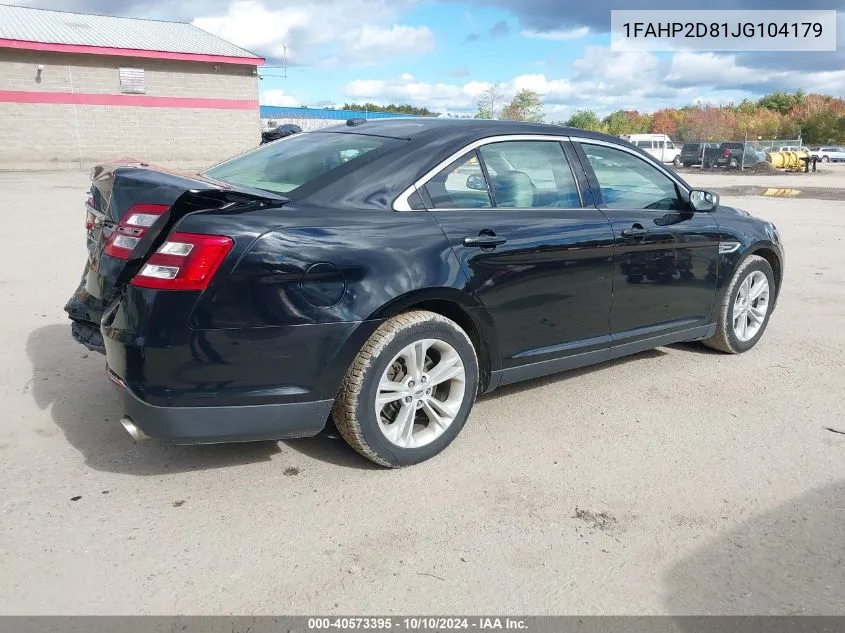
[(677, 161), (409, 390), (825, 159), (746, 308)]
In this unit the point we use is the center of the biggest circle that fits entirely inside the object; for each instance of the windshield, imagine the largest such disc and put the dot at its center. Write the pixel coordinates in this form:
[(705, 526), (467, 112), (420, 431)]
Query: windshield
[(297, 160)]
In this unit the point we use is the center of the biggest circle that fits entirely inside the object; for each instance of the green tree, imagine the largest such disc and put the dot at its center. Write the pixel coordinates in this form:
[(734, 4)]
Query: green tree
[(783, 102), (527, 105), (490, 102), (585, 120), (618, 123)]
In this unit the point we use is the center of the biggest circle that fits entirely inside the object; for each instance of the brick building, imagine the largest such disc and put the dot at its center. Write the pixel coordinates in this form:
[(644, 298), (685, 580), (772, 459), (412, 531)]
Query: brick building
[(78, 89)]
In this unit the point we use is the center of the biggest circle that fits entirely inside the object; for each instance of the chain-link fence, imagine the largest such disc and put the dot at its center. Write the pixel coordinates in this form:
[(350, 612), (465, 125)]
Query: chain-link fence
[(734, 154)]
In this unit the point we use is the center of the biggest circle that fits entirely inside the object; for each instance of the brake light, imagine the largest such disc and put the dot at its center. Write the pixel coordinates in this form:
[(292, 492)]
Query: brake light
[(186, 261), (727, 153), (132, 227), (90, 218)]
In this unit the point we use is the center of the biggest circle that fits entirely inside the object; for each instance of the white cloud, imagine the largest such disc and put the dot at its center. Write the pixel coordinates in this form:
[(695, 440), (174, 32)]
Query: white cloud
[(617, 69), (276, 97), (325, 32), (702, 70), (606, 80), (558, 36), (705, 69)]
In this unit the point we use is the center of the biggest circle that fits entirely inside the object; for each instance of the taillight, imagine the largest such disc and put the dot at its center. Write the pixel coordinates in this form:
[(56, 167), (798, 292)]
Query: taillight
[(727, 153), (132, 228), (186, 261), (90, 218)]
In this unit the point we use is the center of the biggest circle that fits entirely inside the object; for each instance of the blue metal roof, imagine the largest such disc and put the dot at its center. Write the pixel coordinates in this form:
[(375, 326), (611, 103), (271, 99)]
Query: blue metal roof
[(284, 112)]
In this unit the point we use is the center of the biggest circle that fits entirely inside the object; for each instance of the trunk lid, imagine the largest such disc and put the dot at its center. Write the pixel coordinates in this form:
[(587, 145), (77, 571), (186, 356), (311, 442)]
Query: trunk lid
[(130, 209)]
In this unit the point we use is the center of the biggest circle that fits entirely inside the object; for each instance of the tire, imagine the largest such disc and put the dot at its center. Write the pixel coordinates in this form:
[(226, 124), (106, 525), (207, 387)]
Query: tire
[(825, 159), (385, 357), (677, 161), (687, 165), (726, 338)]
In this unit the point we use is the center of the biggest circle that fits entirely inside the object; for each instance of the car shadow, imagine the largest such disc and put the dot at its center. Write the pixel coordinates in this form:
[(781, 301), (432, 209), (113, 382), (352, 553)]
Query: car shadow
[(71, 382), (697, 347), (788, 561), (508, 390), (331, 448)]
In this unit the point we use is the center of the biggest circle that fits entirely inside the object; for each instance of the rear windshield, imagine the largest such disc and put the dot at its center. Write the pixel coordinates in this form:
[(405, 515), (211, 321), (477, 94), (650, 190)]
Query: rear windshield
[(297, 160), (692, 146)]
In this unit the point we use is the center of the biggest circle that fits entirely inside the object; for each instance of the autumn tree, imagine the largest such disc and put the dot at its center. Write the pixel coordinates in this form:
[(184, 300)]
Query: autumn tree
[(665, 122), (527, 105)]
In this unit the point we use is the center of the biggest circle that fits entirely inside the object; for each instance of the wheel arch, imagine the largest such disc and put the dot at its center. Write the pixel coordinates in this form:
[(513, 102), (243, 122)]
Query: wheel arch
[(771, 253), (462, 308)]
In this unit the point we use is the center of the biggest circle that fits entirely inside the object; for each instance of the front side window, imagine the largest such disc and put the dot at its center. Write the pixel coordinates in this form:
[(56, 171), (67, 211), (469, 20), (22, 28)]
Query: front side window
[(290, 163), (629, 182)]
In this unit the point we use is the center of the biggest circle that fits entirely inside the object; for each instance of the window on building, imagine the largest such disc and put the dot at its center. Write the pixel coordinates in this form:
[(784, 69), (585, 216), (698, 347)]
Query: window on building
[(132, 80)]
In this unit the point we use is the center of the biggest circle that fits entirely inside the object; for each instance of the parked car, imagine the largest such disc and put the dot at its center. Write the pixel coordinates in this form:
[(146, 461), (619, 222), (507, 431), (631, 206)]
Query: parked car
[(794, 148), (828, 154), (278, 132), (658, 145), (699, 154), (738, 155), (442, 259)]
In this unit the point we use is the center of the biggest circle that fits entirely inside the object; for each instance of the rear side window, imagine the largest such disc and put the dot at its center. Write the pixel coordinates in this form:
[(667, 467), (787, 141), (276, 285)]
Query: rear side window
[(290, 163), (644, 144), (461, 185), (530, 175)]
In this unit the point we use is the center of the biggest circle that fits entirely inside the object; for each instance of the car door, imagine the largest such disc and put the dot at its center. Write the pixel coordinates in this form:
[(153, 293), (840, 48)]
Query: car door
[(535, 255), (666, 255)]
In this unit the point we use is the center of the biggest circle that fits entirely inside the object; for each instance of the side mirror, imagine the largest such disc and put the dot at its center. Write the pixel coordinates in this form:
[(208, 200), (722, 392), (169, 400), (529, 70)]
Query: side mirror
[(703, 200), (476, 183)]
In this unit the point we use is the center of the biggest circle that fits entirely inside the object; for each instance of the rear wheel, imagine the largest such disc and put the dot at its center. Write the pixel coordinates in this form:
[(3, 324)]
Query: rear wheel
[(746, 308), (409, 390)]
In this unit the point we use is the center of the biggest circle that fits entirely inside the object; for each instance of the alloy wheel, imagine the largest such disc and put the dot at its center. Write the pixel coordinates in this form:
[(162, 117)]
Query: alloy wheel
[(751, 306), (420, 393)]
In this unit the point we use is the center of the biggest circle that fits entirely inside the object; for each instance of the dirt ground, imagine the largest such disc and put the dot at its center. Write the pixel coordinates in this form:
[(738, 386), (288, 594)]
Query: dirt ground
[(675, 481)]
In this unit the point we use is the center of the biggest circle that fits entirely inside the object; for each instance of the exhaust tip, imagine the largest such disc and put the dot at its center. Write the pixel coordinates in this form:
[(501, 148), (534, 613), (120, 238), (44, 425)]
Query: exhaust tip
[(134, 432)]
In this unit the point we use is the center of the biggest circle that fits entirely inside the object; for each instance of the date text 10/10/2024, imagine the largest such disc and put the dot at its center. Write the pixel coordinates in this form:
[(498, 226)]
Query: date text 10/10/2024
[(417, 624)]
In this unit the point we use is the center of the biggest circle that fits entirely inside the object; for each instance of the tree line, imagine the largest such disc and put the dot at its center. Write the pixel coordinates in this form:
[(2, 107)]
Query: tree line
[(816, 119)]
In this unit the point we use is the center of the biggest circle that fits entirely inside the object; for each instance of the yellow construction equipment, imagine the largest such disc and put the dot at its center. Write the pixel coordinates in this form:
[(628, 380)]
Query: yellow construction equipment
[(790, 161)]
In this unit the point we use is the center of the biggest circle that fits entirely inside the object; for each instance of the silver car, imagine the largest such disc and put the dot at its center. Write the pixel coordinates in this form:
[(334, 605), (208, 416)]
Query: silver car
[(829, 154)]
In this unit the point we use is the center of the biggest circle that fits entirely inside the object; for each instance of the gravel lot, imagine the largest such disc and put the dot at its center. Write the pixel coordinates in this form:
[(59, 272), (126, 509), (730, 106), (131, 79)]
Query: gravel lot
[(675, 481)]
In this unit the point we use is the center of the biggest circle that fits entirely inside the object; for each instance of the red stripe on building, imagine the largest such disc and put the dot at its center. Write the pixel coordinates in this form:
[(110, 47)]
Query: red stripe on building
[(129, 52), (143, 101)]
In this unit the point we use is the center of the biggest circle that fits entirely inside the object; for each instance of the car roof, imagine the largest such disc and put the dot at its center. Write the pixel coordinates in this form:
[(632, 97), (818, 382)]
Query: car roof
[(418, 127)]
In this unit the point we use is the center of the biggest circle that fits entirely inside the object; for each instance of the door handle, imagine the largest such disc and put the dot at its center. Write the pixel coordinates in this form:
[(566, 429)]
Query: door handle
[(635, 232), (484, 241)]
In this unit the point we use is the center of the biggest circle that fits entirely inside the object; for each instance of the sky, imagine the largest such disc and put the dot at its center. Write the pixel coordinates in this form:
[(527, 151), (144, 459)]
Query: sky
[(443, 55)]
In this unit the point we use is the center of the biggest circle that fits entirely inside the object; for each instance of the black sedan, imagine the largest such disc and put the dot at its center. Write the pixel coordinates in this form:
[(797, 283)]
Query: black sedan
[(384, 273), (280, 131)]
